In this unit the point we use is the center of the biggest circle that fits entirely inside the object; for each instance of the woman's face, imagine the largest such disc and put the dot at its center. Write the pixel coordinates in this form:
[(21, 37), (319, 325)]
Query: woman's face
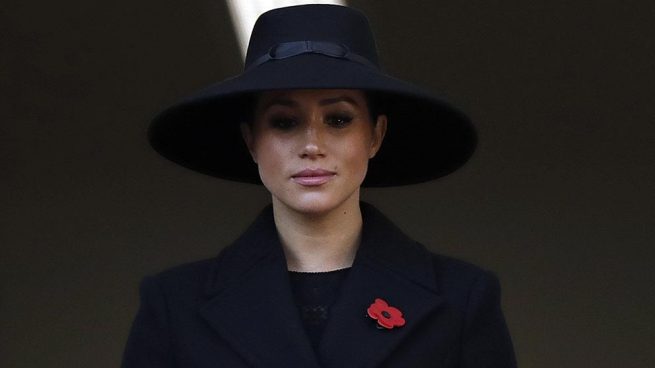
[(312, 146)]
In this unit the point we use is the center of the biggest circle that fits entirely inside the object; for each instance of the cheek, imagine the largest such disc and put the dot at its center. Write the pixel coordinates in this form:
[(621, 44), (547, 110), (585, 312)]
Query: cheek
[(270, 157), (356, 154)]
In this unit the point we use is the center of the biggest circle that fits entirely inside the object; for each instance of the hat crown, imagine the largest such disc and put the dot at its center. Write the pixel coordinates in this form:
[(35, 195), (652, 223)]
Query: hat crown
[(327, 23), (315, 47)]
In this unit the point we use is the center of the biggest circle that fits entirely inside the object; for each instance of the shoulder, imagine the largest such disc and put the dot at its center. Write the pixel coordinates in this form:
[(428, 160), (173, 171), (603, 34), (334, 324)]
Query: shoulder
[(453, 272), (470, 289), (187, 271), (186, 280), (387, 244)]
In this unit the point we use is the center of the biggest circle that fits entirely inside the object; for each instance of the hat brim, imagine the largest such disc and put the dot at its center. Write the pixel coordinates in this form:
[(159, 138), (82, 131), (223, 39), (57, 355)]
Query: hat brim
[(426, 137)]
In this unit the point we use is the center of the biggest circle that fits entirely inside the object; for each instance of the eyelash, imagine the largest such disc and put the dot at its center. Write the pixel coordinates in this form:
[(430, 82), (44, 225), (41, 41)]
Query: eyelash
[(339, 120), (334, 120), (283, 123)]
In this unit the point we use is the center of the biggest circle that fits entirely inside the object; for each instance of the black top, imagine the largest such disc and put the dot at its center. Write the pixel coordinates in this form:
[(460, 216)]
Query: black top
[(314, 294)]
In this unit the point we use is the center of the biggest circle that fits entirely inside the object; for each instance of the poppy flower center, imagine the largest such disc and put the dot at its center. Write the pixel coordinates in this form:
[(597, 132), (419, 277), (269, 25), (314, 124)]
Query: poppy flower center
[(386, 314)]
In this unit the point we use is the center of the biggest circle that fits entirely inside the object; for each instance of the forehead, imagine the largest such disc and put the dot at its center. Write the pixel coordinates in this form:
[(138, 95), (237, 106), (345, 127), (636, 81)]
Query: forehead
[(299, 97)]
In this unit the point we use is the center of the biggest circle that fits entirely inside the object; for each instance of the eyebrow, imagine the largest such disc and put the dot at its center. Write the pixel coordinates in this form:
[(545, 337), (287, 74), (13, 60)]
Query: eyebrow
[(330, 101), (292, 103)]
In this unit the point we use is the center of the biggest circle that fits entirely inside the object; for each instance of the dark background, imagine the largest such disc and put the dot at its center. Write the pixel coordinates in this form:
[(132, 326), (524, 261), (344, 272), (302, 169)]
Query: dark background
[(558, 200)]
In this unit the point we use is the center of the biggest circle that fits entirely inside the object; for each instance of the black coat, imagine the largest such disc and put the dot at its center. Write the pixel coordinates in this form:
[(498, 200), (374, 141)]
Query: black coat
[(237, 310)]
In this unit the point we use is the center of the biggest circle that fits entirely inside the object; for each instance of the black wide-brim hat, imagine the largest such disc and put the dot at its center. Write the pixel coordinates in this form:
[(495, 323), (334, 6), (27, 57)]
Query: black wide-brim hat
[(315, 47)]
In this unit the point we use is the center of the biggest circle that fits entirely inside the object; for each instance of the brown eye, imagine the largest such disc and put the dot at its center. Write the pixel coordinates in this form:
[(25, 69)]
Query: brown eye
[(282, 123), (339, 120)]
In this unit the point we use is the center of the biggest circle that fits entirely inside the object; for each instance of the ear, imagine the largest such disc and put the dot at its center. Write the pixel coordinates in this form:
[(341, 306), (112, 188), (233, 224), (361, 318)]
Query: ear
[(247, 135), (379, 131)]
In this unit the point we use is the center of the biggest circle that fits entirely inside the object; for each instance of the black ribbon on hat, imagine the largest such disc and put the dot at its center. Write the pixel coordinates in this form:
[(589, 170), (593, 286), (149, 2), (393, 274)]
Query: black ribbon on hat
[(286, 50)]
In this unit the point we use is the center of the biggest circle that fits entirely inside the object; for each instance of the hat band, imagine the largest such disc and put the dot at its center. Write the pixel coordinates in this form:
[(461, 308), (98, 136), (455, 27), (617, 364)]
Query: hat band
[(286, 50)]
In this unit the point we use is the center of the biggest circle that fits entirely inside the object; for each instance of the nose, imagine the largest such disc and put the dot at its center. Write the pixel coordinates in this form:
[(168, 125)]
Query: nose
[(312, 141)]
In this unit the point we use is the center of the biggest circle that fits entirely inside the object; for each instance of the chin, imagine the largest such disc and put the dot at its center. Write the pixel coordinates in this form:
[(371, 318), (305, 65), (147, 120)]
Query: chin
[(316, 204), (313, 204)]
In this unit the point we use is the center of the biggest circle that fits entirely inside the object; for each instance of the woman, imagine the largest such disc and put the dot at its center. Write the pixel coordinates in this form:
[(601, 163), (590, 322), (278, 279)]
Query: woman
[(319, 279)]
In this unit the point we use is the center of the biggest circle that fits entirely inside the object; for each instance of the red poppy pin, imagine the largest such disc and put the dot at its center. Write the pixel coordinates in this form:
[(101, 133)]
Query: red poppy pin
[(387, 316)]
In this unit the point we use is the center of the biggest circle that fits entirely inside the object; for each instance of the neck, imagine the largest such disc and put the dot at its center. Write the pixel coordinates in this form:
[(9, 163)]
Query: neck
[(319, 242)]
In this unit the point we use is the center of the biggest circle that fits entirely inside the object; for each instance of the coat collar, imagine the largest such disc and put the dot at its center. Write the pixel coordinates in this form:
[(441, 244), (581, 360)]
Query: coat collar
[(250, 302)]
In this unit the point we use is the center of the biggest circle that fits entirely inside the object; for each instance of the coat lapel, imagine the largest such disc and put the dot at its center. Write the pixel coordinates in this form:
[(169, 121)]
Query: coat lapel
[(389, 266), (252, 307)]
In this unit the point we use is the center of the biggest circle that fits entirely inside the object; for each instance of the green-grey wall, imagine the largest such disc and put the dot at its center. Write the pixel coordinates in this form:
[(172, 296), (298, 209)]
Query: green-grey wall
[(558, 200)]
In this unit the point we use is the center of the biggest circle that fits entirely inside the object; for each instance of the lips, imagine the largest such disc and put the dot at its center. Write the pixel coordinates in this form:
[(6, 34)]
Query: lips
[(312, 177)]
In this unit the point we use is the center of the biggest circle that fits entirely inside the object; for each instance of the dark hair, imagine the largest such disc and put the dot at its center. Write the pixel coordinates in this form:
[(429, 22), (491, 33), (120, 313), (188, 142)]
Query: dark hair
[(248, 103), (373, 101)]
